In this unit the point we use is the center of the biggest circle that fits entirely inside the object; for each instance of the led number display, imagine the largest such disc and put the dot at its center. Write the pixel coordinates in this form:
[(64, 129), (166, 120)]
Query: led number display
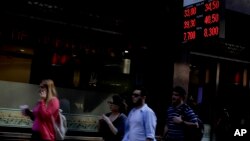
[(201, 20)]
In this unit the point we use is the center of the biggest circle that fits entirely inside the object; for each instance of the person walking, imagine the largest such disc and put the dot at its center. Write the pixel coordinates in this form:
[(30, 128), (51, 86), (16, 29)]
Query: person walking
[(112, 124), (46, 107), (175, 121), (142, 121)]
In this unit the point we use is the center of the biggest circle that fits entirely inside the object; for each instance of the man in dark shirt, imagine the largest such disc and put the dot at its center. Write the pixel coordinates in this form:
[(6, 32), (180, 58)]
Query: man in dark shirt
[(175, 123)]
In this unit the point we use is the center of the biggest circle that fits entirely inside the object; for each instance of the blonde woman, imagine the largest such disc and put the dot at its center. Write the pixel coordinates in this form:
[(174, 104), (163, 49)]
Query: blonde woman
[(47, 106)]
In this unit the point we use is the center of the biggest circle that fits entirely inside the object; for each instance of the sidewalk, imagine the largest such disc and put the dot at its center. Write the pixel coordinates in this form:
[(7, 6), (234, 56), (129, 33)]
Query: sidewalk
[(8, 136)]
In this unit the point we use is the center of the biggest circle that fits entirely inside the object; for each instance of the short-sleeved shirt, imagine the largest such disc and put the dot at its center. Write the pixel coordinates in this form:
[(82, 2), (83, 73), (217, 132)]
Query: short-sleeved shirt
[(176, 131), (119, 124)]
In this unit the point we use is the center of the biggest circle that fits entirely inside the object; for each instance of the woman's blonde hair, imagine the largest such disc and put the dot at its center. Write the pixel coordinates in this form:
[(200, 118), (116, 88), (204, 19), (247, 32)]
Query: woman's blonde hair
[(51, 89)]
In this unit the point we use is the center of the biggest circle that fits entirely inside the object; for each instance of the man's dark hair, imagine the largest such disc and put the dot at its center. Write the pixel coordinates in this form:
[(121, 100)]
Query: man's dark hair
[(180, 90), (143, 90)]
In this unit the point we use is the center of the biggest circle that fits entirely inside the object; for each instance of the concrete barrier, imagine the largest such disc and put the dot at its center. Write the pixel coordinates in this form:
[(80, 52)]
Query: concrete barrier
[(26, 136)]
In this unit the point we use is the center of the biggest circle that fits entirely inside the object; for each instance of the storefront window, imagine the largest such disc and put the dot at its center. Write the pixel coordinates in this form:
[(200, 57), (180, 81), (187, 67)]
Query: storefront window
[(87, 71)]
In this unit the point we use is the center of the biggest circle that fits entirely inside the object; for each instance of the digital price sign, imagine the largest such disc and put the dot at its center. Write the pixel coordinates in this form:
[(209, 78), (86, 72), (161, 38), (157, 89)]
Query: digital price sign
[(201, 19)]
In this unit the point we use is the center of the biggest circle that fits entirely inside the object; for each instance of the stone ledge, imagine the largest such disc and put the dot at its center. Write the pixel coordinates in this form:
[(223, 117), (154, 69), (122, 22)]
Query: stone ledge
[(15, 136), (76, 122)]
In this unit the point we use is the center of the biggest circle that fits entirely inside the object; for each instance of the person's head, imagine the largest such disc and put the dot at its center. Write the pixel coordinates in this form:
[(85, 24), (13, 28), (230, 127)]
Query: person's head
[(178, 95), (117, 104), (139, 96), (48, 86)]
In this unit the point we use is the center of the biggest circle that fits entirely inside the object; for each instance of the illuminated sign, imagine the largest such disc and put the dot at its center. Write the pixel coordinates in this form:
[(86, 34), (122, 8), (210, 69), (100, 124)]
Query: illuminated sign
[(190, 2), (201, 19)]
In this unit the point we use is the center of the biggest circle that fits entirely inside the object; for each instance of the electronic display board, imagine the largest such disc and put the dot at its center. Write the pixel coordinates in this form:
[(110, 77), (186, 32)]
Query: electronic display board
[(201, 19)]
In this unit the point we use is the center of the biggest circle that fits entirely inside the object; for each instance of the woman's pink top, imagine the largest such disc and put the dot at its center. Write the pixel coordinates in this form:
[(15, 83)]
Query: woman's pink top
[(43, 118)]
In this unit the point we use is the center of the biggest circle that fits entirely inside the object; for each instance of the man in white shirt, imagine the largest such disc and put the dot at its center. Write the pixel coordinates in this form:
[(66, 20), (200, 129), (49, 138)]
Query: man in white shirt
[(141, 121)]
